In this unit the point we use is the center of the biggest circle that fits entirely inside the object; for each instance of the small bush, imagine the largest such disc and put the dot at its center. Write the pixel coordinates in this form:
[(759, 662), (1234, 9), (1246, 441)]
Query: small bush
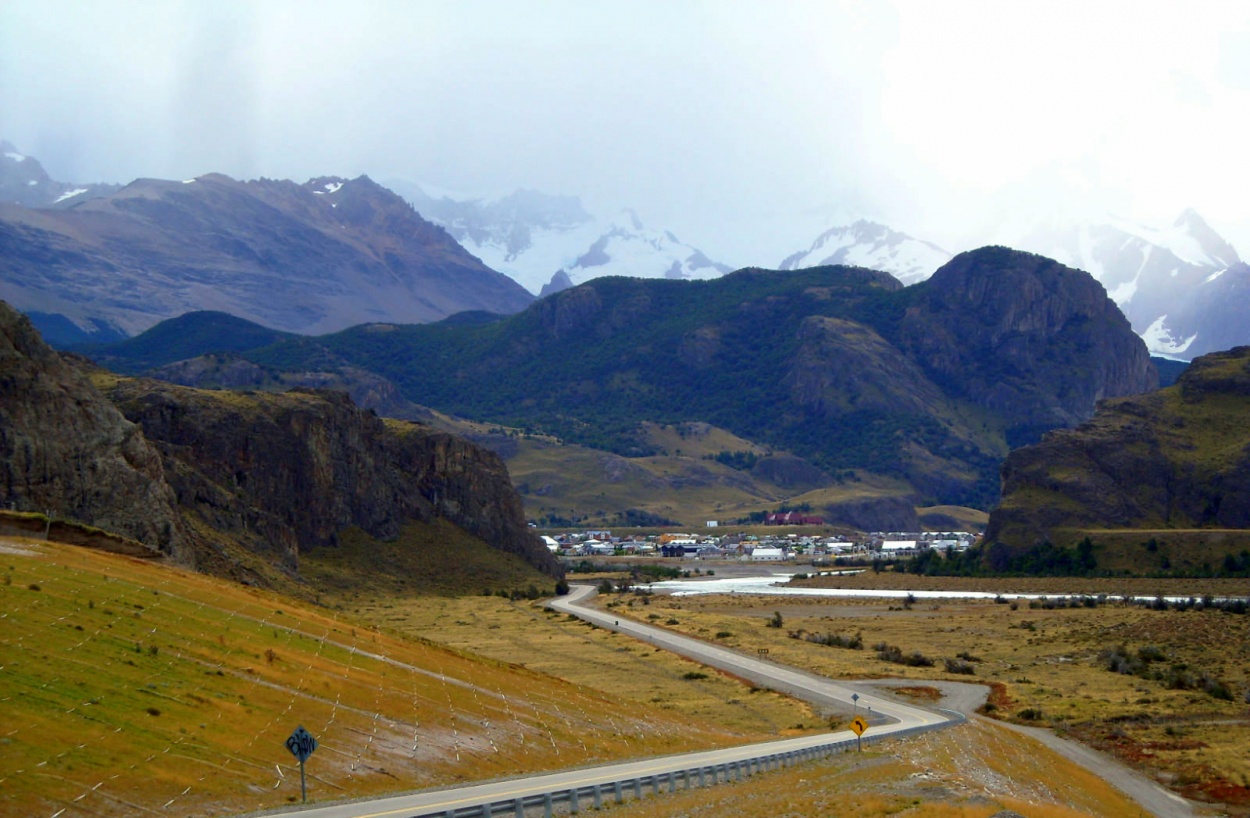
[(959, 666), (693, 675), (152, 711), (894, 654), (723, 634), (775, 621), (1031, 714)]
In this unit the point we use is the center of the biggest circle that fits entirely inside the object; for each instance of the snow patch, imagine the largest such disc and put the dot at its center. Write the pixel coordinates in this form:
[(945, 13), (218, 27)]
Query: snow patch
[(32, 182), (16, 157), (187, 181), (1159, 339), (332, 187), (1215, 275), (70, 194)]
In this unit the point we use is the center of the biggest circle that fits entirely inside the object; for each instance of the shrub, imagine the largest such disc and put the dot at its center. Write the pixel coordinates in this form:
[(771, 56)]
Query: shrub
[(832, 640), (959, 666), (1031, 713), (894, 654), (693, 675), (775, 621)]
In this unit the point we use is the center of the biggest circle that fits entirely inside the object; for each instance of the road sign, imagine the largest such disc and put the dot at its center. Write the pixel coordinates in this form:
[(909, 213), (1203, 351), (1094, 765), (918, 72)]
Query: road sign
[(859, 725), (301, 744)]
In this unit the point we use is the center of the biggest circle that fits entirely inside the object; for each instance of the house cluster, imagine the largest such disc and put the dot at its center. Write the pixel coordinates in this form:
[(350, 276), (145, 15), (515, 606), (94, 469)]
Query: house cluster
[(752, 548), (904, 545)]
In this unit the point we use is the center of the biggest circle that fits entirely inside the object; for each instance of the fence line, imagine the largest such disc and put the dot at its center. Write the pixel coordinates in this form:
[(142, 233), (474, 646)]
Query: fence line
[(575, 799)]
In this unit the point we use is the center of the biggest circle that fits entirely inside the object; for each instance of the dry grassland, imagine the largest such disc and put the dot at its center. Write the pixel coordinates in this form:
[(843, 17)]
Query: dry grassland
[(971, 771), (625, 669), (128, 687), (1047, 667)]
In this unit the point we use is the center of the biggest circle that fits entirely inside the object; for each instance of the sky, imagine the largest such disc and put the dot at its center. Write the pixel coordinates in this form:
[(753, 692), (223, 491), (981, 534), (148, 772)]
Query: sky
[(743, 126)]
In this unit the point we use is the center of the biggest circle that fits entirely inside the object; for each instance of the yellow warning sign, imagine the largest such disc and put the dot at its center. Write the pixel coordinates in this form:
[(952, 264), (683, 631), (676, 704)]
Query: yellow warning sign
[(859, 725)]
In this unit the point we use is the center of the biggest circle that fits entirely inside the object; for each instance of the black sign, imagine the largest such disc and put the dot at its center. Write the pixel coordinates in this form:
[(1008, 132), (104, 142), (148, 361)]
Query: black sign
[(301, 744)]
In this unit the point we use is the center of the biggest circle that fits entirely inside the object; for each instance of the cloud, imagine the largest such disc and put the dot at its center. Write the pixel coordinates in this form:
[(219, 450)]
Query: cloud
[(734, 123)]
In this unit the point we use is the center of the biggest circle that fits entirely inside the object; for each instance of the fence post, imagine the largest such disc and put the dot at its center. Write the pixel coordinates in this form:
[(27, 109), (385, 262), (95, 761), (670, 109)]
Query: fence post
[(616, 789), (547, 805), (598, 797), (573, 801)]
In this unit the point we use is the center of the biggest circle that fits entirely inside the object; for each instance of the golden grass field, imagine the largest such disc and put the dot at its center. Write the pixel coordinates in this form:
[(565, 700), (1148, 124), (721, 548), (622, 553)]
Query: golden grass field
[(128, 687), (1047, 667), (971, 771)]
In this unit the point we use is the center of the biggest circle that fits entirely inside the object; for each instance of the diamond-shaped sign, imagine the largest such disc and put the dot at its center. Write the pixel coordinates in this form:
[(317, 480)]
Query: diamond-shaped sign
[(859, 725), (301, 744)]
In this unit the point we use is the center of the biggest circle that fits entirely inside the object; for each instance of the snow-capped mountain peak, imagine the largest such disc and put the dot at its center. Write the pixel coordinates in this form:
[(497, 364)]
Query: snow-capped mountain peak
[(868, 244), (546, 242), (1176, 283)]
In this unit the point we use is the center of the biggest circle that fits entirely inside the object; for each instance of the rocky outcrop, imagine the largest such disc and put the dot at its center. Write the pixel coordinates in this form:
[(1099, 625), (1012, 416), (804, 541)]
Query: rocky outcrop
[(1025, 337), (67, 451), (1178, 458), (287, 472), (215, 479)]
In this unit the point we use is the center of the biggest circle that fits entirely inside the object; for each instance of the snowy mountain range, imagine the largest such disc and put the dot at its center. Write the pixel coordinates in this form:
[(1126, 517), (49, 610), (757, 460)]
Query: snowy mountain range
[(875, 246), (547, 243), (24, 181), (1183, 287)]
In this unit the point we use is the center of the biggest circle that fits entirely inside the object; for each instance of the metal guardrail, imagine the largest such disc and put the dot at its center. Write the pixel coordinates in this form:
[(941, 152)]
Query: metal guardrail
[(575, 799)]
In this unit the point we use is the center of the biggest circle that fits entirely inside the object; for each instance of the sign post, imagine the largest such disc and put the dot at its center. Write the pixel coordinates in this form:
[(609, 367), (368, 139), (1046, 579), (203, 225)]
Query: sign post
[(301, 744), (858, 725)]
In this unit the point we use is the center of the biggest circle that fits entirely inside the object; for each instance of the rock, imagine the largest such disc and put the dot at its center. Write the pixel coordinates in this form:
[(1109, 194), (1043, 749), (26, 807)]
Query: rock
[(227, 482), (1177, 458), (65, 449), (1025, 337)]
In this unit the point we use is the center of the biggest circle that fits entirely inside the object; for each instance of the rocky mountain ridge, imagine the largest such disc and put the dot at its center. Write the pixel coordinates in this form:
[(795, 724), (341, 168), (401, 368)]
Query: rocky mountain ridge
[(1176, 459), (840, 366), (237, 484), (24, 181), (1182, 286), (308, 258)]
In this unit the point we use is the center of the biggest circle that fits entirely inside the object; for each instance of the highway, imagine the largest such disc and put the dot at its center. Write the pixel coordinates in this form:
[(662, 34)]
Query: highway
[(885, 717)]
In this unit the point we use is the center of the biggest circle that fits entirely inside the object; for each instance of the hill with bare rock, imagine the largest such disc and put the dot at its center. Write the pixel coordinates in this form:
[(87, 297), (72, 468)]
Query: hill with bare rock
[(1170, 465), (236, 484), (307, 258)]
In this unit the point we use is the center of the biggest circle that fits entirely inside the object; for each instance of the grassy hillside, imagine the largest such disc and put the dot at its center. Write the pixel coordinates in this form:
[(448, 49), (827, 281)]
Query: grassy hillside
[(1157, 482), (129, 687), (699, 473), (187, 336)]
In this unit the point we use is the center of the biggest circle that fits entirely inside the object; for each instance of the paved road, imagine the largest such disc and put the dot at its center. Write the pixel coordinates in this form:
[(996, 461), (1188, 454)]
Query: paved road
[(830, 696), (1151, 796), (885, 716)]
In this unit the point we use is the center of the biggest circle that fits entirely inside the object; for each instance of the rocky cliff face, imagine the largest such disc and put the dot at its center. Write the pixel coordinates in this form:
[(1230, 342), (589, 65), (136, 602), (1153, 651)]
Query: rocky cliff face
[(1177, 458), (287, 471), (217, 478), (65, 449), (1025, 337)]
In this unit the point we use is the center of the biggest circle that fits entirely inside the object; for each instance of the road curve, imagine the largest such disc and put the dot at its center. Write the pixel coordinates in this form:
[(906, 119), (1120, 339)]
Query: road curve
[(885, 717)]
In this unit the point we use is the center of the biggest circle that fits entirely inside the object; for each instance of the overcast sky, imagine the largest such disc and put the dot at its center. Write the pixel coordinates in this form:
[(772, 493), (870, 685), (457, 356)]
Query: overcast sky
[(729, 123)]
